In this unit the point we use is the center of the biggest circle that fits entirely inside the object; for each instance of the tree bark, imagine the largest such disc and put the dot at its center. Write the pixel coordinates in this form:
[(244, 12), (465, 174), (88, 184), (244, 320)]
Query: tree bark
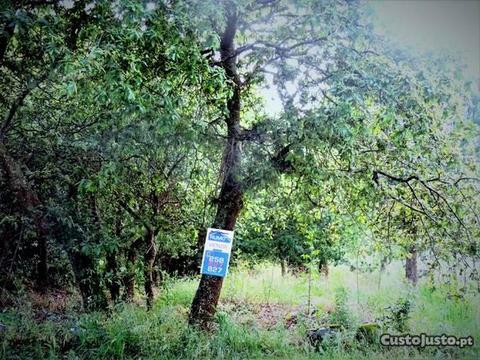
[(129, 278), (230, 200), (383, 264), (283, 265), (88, 281), (411, 266), (113, 284), (323, 267), (202, 233), (149, 261), (157, 276)]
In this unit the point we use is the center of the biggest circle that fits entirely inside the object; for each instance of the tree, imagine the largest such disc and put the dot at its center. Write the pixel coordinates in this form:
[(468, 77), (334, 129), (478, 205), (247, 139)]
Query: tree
[(112, 101), (296, 30), (281, 224), (32, 45), (129, 127), (351, 112)]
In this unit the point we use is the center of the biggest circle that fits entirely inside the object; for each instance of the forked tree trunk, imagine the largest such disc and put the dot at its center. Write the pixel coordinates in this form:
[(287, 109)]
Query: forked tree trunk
[(230, 200), (411, 266), (149, 262)]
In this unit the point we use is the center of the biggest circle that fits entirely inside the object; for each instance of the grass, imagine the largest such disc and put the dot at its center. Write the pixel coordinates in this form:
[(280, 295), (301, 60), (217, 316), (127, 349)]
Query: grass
[(261, 315)]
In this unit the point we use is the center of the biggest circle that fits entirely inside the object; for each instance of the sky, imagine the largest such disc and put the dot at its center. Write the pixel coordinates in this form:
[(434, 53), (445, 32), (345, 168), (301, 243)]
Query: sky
[(423, 26), (432, 26)]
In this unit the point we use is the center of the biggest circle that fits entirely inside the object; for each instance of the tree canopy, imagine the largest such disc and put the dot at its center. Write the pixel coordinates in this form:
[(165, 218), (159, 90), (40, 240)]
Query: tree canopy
[(130, 127)]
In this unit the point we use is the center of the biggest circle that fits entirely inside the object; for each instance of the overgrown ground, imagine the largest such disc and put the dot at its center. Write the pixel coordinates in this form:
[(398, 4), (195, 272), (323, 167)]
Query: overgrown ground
[(261, 315)]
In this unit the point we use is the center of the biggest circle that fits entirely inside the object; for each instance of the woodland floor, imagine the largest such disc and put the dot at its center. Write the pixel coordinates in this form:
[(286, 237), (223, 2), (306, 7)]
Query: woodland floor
[(261, 315)]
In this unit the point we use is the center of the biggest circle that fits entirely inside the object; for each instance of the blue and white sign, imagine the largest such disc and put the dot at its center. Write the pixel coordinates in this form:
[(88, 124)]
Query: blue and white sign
[(216, 255)]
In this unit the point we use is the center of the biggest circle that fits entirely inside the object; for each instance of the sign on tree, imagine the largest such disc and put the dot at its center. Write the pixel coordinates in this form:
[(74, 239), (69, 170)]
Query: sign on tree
[(216, 255)]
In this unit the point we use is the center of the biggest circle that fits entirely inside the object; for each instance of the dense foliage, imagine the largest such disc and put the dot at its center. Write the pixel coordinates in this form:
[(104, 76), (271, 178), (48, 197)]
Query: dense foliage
[(128, 128)]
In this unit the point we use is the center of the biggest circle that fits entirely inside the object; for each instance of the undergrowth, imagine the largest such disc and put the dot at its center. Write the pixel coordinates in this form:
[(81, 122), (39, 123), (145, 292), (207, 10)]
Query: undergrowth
[(130, 332)]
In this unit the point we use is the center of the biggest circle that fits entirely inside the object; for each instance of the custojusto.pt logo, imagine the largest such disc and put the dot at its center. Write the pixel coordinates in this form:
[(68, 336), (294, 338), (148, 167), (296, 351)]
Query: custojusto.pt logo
[(423, 340)]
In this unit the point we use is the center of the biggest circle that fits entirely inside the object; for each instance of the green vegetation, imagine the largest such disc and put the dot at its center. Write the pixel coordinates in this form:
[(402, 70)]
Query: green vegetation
[(129, 127), (260, 316)]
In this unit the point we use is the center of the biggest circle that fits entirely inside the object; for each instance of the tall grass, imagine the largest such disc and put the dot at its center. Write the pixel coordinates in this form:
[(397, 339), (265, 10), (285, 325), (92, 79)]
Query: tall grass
[(245, 329)]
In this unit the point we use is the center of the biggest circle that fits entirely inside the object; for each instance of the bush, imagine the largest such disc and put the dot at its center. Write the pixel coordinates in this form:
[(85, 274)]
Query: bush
[(341, 315)]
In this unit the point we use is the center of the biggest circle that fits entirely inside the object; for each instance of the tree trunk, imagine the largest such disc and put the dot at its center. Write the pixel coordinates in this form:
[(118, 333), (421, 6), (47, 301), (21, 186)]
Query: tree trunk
[(157, 270), (129, 277), (88, 281), (323, 267), (283, 264), (157, 277), (383, 264), (202, 233), (149, 262), (230, 200), (411, 266), (113, 281)]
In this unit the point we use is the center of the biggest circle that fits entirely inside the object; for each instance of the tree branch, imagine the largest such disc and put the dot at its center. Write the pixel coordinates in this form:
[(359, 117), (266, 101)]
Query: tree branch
[(13, 110)]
